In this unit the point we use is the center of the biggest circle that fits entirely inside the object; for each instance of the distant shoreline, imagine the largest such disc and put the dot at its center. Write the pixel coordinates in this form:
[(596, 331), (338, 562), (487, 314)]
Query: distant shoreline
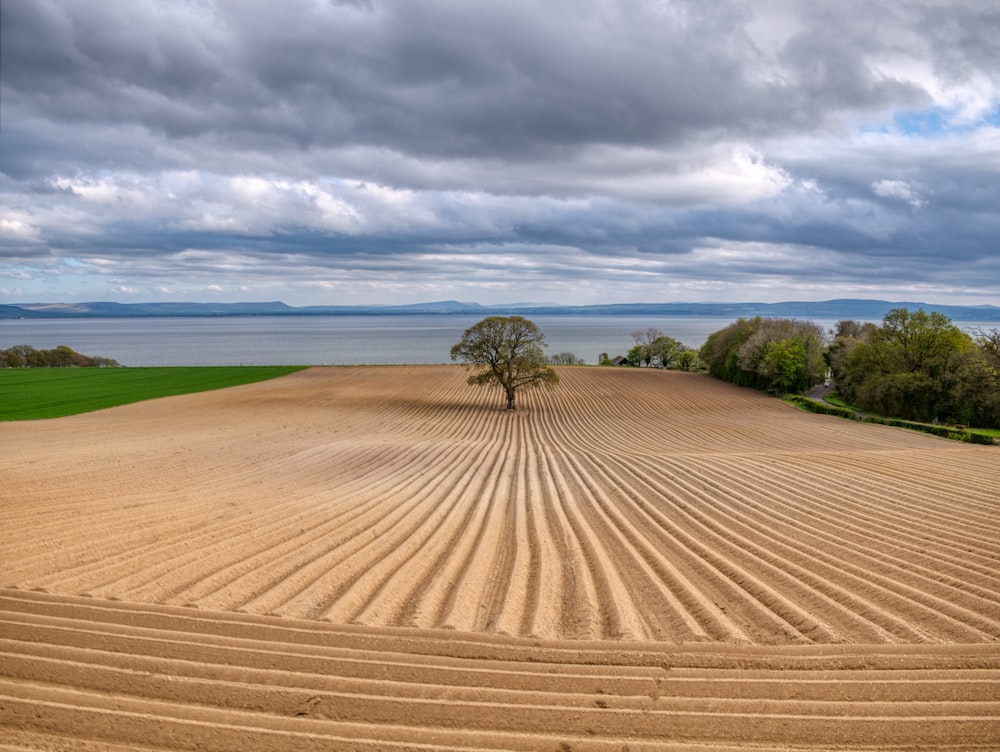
[(829, 309)]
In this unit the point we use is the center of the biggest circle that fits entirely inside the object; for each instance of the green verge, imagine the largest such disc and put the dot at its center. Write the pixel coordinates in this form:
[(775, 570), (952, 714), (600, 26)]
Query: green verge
[(955, 433), (34, 393)]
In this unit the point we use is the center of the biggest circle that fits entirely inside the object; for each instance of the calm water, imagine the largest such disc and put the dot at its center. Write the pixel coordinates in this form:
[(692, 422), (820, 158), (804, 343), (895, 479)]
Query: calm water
[(325, 340), (332, 340)]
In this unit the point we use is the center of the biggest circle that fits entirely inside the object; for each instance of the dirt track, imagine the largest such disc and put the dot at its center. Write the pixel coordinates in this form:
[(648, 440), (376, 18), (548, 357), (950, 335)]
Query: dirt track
[(633, 558)]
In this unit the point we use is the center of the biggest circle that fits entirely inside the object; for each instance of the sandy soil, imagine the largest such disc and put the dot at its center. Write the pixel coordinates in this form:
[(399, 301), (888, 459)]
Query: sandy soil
[(634, 560)]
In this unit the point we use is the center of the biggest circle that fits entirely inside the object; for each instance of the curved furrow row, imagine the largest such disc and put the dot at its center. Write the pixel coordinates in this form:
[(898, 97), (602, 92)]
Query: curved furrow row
[(963, 615), (114, 546), (831, 519), (810, 487), (211, 523), (136, 526), (624, 503), (386, 590), (310, 582), (52, 554), (663, 594), (844, 615), (802, 510), (965, 471), (43, 522), (486, 570), (677, 504), (209, 533), (317, 519), (909, 482), (513, 592), (381, 502), (792, 616), (586, 575), (872, 505), (660, 576), (565, 596), (433, 600), (805, 565), (645, 605), (192, 552), (296, 520), (537, 555), (914, 612), (638, 422), (589, 417)]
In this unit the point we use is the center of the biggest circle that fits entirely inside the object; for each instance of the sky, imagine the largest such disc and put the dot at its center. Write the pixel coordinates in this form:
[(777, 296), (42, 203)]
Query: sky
[(327, 152)]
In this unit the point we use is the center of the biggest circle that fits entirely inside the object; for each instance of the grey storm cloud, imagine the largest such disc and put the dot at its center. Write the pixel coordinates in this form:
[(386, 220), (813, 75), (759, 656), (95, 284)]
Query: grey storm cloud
[(511, 80), (484, 149)]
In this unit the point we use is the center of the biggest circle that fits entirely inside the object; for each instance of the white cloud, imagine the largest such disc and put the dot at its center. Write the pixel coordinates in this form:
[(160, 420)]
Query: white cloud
[(14, 230), (899, 189)]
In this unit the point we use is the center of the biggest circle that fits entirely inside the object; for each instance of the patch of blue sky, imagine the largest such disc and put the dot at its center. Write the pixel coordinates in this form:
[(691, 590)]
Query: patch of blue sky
[(936, 122)]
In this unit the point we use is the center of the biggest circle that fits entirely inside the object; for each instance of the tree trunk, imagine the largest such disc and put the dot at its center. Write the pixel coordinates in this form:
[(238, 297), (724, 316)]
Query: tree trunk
[(510, 398)]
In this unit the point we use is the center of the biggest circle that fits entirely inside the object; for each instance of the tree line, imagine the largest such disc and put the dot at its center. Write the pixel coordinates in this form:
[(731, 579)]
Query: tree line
[(26, 356), (915, 365)]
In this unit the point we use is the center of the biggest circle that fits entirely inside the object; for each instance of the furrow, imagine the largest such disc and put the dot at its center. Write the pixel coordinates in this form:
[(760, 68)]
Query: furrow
[(830, 513), (755, 570), (736, 547), (955, 623), (618, 615), (954, 594), (359, 600), (439, 555), (319, 581), (486, 568), (659, 593), (340, 516)]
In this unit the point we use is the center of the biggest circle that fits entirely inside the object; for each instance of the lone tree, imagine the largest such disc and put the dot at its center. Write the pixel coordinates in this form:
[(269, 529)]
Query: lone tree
[(508, 351)]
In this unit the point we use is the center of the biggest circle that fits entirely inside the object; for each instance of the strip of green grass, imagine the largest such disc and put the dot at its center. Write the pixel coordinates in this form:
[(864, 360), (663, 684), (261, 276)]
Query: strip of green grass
[(33, 393), (833, 405)]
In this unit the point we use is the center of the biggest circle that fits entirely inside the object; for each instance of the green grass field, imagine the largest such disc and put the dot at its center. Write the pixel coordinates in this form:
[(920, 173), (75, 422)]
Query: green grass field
[(32, 393)]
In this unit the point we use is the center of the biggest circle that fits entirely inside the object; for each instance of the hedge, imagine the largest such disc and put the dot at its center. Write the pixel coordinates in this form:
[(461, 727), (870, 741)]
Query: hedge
[(946, 432)]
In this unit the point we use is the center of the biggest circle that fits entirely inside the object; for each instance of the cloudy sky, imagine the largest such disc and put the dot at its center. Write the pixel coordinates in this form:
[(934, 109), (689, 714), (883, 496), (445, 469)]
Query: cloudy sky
[(499, 151)]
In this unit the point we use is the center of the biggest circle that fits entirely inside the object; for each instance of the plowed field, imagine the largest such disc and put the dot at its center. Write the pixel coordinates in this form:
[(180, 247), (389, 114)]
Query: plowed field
[(633, 560)]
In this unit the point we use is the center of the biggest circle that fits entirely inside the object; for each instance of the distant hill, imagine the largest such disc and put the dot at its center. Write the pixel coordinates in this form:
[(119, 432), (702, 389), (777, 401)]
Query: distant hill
[(869, 310)]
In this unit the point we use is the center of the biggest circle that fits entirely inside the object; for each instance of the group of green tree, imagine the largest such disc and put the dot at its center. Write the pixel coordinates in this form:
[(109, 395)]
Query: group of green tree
[(915, 365), (655, 349), (26, 356), (772, 355), (918, 366)]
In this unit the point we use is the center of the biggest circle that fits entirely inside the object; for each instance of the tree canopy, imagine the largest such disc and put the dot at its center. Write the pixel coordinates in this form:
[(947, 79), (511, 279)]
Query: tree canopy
[(26, 356), (916, 366), (776, 355), (919, 366), (654, 348), (507, 351)]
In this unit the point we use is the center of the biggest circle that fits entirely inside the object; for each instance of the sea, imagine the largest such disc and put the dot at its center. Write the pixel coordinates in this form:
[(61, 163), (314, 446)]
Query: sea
[(338, 340)]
